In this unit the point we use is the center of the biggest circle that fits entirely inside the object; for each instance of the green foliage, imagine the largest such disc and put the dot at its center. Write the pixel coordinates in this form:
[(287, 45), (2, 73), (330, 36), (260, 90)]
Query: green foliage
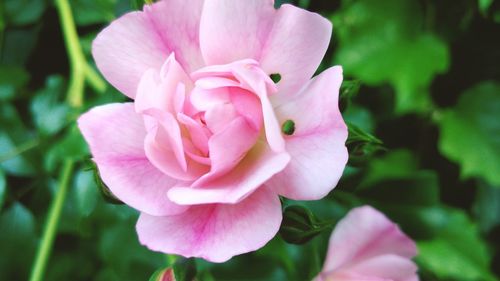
[(17, 241), (12, 79), (470, 132), (12, 133), (457, 252), (385, 42), (91, 12), (487, 207), (22, 12), (49, 113)]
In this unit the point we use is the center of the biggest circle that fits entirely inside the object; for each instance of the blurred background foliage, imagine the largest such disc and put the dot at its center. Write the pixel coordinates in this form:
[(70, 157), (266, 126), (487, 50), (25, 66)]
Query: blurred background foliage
[(422, 99)]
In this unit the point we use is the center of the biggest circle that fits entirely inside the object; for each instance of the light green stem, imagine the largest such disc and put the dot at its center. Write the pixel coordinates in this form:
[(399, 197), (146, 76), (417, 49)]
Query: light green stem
[(95, 80), (79, 66), (50, 230), (75, 53)]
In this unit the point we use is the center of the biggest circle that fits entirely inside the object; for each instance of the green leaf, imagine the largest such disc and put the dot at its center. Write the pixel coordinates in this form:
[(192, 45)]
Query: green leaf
[(22, 12), (360, 116), (395, 164), (470, 133), (12, 78), (72, 145), (89, 12), (50, 114), (390, 48), (457, 253), (17, 241), (13, 139), (86, 192), (15, 53), (484, 5), (487, 207)]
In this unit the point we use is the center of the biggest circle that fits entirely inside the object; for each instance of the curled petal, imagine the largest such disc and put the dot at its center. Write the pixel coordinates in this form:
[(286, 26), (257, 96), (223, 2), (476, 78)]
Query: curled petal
[(115, 134)]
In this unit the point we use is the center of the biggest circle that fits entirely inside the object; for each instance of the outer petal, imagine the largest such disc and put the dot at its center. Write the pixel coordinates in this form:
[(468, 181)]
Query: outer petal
[(365, 234), (260, 164), (115, 134), (388, 266), (215, 232), (234, 30), (317, 147), (137, 41), (346, 277), (296, 45)]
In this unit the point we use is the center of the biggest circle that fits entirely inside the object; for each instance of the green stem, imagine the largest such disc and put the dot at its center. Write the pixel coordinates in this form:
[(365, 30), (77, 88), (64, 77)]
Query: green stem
[(50, 230), (79, 66), (75, 53), (95, 80)]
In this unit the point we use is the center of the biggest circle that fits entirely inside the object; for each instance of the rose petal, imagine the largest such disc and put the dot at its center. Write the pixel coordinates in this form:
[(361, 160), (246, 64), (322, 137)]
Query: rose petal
[(317, 146), (388, 266), (364, 234), (219, 117), (234, 30), (164, 148), (115, 134), (260, 164), (229, 146), (163, 89), (204, 99), (178, 24), (296, 45), (198, 133), (215, 232), (138, 41), (248, 106), (347, 277)]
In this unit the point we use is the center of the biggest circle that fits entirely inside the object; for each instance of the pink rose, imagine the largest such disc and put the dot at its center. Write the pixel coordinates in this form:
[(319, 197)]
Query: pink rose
[(200, 152), (367, 246)]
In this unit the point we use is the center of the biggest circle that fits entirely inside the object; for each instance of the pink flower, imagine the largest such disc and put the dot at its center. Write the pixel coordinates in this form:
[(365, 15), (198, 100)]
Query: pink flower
[(367, 246), (200, 152)]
